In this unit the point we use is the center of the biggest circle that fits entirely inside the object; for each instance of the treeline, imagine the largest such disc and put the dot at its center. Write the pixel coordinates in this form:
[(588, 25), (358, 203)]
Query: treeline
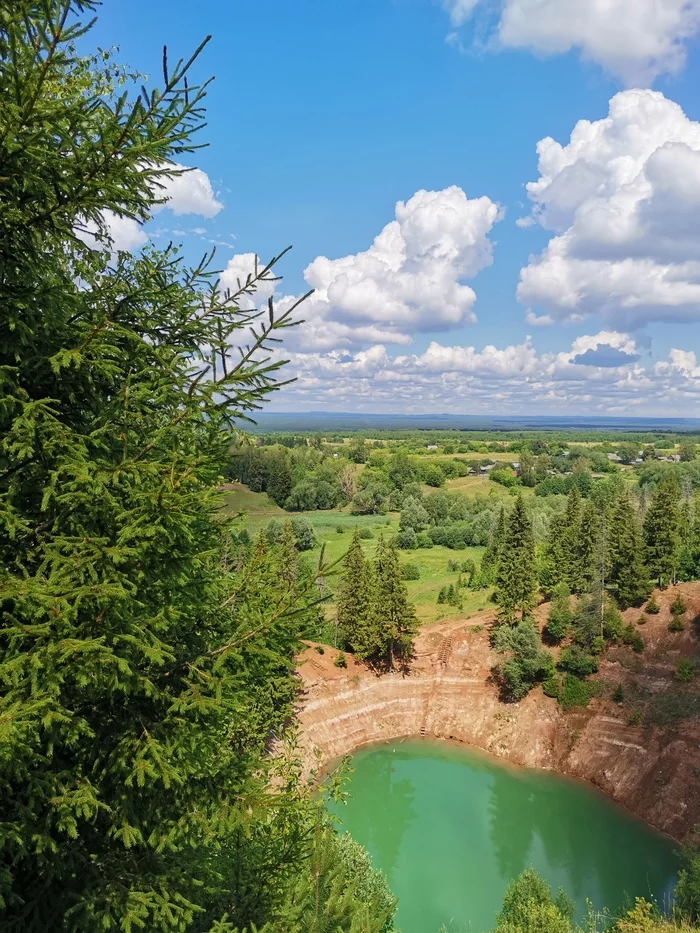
[(374, 617), (306, 479), (608, 552)]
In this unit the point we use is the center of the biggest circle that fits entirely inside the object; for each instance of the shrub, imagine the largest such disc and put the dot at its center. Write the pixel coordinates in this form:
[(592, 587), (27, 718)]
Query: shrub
[(635, 718), (618, 694), (452, 566), (320, 649), (574, 660), (505, 476), (643, 619), (340, 529), (304, 539), (407, 539), (685, 670), (552, 686), (631, 637), (577, 692), (679, 606), (687, 894), (366, 534), (652, 607), (410, 572), (341, 660), (613, 623), (423, 540), (677, 624)]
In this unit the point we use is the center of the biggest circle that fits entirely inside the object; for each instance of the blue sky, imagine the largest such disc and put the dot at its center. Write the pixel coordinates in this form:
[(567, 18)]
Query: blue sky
[(324, 115)]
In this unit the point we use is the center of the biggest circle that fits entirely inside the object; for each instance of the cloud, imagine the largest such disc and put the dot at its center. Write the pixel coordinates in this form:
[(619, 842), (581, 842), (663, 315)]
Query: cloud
[(410, 280), (190, 192), (637, 40), (623, 198), (585, 378)]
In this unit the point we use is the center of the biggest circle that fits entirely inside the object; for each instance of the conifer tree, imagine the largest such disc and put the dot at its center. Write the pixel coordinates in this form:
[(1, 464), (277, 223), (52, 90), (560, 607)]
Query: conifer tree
[(489, 561), (287, 554), (628, 576), (560, 612), (356, 603), (587, 547), (662, 532), (516, 584), (396, 617), (141, 676)]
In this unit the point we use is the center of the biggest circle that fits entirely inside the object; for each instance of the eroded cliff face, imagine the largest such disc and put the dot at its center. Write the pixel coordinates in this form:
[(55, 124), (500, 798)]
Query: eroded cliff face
[(653, 767)]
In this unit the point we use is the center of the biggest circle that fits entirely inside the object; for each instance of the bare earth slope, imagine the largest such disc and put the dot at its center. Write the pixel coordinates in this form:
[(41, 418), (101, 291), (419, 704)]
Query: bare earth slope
[(652, 768)]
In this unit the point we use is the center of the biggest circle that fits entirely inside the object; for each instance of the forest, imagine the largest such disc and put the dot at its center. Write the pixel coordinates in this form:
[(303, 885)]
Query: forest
[(149, 776)]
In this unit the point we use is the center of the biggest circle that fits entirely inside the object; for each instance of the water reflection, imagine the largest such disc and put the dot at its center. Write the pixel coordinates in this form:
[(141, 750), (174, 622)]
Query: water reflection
[(451, 829)]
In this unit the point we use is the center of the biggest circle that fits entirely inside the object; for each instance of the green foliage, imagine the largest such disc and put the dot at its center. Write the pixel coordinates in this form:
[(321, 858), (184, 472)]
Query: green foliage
[(145, 656), (575, 660), (679, 606), (662, 524), (687, 894), (366, 534), (525, 660), (652, 607), (631, 637), (407, 539), (529, 907), (676, 624), (516, 582), (575, 692), (505, 476), (340, 660), (410, 571), (560, 613), (627, 575), (685, 670)]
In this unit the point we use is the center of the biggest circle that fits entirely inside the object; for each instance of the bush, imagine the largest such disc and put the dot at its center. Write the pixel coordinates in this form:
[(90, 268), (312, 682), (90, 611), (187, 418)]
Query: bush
[(504, 476), (652, 607), (618, 694), (341, 660), (643, 619), (685, 670), (423, 540), (577, 692), (304, 539), (613, 623), (679, 606), (410, 572), (320, 649), (366, 534), (340, 529), (552, 686), (574, 660), (407, 539), (677, 624), (631, 637), (687, 895)]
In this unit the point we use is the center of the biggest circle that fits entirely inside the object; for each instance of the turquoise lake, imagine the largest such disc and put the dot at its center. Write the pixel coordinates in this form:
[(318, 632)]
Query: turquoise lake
[(450, 828)]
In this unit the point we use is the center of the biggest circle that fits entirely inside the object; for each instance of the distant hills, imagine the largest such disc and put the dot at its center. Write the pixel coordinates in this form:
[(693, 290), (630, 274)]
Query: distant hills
[(349, 421)]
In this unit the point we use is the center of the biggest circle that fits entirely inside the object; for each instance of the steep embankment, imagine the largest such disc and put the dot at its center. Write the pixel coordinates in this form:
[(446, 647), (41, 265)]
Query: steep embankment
[(643, 752)]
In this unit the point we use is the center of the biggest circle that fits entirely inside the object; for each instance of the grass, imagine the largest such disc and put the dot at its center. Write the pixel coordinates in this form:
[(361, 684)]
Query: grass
[(473, 486), (432, 562)]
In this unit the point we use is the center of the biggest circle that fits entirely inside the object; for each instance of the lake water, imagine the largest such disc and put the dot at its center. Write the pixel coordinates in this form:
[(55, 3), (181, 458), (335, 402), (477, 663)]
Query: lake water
[(450, 828)]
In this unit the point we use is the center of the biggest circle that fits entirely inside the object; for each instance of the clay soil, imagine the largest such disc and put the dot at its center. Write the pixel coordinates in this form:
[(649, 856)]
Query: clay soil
[(643, 751)]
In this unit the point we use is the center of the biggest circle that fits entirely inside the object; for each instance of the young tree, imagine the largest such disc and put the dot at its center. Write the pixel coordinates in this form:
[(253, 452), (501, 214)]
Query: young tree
[(560, 613), (396, 616), (279, 479), (516, 583), (662, 532)]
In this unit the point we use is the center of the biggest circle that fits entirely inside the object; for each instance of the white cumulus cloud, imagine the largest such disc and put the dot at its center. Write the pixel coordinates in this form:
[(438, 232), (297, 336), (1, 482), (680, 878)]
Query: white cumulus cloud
[(634, 39), (410, 280), (597, 373), (622, 197)]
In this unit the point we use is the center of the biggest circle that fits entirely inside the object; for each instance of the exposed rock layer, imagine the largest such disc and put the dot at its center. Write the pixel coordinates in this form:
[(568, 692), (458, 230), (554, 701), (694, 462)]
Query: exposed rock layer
[(654, 770)]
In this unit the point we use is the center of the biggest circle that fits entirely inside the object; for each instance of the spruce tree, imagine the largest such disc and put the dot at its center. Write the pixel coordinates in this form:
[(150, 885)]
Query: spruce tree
[(627, 576), (142, 678), (516, 583), (560, 613), (396, 617), (662, 532), (586, 550), (356, 603)]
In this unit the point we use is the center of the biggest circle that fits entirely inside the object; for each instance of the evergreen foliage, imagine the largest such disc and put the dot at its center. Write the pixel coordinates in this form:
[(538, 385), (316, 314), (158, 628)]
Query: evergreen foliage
[(662, 532), (146, 652), (627, 576), (516, 582), (560, 613)]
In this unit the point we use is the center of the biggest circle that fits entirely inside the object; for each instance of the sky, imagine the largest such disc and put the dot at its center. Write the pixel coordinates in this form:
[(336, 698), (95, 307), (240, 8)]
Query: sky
[(496, 202)]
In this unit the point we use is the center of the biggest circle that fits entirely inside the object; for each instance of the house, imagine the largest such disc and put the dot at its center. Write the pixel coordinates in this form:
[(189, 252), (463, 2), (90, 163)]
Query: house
[(614, 458), (432, 447)]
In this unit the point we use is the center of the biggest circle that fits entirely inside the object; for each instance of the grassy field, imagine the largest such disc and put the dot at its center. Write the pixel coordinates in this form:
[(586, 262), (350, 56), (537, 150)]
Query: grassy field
[(333, 531)]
